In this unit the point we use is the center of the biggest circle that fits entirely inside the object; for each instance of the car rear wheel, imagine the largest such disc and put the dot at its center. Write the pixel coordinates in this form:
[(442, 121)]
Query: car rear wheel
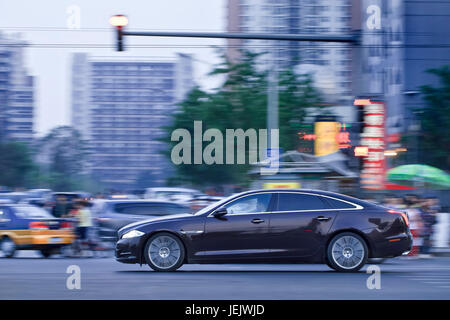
[(8, 247), (164, 252), (347, 252)]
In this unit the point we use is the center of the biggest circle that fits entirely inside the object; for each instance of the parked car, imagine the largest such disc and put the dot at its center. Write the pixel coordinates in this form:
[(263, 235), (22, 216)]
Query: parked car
[(40, 193), (14, 197), (111, 215), (270, 226), (25, 227), (180, 195)]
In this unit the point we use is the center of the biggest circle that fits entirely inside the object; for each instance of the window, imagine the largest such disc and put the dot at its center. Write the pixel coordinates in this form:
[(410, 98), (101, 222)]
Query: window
[(298, 201), (337, 204), (250, 204), (26, 212)]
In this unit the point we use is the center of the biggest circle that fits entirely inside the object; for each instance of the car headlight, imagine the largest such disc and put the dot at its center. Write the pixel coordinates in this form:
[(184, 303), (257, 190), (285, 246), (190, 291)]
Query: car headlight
[(132, 234)]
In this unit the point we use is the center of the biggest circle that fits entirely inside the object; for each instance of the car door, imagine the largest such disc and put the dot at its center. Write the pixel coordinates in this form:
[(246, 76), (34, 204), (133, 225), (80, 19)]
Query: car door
[(241, 233), (299, 224)]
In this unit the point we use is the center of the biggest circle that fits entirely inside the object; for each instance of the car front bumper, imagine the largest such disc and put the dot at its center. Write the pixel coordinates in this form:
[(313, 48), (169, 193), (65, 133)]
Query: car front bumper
[(128, 250)]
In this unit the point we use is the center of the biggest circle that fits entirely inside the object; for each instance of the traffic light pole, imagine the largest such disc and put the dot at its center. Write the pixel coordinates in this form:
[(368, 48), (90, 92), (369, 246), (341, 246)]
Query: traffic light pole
[(352, 38)]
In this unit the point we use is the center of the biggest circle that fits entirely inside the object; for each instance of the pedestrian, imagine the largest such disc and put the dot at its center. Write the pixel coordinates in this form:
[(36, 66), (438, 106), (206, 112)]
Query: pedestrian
[(429, 219), (415, 223), (61, 207)]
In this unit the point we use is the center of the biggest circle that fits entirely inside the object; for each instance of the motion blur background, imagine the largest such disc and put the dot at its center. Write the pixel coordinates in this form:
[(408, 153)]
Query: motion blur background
[(78, 116)]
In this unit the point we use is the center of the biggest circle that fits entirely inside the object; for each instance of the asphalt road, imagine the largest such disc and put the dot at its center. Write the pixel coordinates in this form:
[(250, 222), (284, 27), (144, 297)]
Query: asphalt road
[(30, 277)]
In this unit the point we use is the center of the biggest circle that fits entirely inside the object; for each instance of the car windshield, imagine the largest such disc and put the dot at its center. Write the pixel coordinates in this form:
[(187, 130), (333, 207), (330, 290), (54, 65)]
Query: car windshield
[(27, 212)]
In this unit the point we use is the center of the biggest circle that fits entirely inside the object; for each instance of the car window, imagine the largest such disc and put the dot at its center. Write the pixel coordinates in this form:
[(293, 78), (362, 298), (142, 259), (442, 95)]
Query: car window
[(31, 212), (250, 204), (337, 204), (298, 201)]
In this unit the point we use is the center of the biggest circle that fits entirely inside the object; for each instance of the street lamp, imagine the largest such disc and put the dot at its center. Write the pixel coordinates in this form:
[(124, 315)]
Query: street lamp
[(119, 22)]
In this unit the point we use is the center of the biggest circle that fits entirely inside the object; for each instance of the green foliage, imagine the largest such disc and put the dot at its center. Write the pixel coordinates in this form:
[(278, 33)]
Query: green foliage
[(16, 165), (62, 156), (435, 121), (240, 102)]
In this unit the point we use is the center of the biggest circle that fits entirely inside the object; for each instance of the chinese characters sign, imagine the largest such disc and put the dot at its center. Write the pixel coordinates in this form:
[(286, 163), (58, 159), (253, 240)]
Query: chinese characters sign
[(373, 138)]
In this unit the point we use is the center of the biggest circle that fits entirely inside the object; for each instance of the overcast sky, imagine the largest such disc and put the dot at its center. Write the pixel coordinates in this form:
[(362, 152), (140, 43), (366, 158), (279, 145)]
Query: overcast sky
[(46, 22)]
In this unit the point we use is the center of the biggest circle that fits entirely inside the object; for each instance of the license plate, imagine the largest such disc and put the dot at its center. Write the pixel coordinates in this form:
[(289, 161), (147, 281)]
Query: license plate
[(55, 240)]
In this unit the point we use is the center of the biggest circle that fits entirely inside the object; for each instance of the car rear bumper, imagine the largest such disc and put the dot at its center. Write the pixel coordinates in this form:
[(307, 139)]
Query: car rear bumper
[(395, 246), (128, 250)]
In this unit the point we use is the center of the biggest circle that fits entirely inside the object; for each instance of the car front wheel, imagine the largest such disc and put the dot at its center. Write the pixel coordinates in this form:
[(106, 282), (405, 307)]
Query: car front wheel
[(347, 252), (164, 252)]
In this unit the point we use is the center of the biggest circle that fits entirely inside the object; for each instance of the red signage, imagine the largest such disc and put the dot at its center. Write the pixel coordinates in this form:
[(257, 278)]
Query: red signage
[(373, 138)]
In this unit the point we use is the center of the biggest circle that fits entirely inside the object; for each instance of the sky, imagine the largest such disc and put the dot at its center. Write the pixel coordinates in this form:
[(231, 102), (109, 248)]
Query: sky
[(53, 29)]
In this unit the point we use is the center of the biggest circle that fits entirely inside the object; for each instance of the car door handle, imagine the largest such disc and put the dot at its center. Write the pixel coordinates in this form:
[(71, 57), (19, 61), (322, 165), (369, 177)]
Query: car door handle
[(322, 218), (257, 221)]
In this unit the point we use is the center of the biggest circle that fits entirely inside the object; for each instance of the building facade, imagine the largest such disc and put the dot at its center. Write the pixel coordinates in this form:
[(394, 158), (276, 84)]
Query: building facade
[(16, 92), (331, 62), (119, 105)]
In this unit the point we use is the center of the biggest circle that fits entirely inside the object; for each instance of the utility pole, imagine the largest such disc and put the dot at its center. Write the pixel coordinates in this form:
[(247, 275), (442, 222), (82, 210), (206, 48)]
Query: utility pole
[(272, 99)]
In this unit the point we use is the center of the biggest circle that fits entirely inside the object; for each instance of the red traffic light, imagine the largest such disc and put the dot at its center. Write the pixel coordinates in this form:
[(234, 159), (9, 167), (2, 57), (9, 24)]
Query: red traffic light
[(118, 21)]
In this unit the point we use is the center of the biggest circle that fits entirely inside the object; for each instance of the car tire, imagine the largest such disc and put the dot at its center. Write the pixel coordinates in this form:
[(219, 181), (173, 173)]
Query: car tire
[(164, 252), (347, 252), (46, 253), (8, 247)]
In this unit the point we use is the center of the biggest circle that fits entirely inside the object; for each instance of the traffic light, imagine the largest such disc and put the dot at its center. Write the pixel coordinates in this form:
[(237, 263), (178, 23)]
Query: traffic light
[(119, 22)]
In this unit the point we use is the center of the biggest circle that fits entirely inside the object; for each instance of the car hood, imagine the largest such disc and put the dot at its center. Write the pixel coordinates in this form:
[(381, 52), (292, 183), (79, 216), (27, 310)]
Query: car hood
[(137, 224)]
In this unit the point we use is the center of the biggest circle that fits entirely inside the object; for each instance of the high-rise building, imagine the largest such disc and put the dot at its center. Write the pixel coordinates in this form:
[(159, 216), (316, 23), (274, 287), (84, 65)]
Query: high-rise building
[(119, 106), (330, 61), (16, 92)]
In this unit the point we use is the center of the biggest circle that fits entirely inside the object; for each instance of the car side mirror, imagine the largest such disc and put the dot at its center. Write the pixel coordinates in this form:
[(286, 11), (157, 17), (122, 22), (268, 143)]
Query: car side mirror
[(220, 212)]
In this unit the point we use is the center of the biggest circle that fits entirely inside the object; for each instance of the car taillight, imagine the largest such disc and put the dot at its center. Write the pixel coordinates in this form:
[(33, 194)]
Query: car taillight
[(403, 214), (66, 225), (38, 225)]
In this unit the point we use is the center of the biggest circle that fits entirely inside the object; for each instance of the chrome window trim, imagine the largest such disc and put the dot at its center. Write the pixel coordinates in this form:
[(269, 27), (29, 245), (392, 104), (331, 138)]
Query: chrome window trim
[(356, 206)]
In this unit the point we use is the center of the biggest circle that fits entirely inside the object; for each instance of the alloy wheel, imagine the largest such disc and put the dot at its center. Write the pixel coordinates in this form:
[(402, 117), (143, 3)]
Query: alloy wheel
[(348, 252), (164, 252)]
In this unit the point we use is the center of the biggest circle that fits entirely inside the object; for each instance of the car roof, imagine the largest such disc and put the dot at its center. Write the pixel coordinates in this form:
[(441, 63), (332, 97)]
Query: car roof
[(312, 191)]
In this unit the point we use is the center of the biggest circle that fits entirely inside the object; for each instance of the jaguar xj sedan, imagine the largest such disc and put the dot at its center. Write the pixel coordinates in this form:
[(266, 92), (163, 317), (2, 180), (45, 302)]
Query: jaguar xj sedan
[(270, 226)]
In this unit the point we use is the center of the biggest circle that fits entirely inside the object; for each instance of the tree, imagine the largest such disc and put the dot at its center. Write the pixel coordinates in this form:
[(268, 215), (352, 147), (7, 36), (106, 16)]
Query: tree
[(62, 155), (16, 165), (435, 121), (240, 103)]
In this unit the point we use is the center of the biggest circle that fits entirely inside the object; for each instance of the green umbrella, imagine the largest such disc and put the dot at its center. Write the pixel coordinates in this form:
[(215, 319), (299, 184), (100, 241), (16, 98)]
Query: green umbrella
[(419, 175)]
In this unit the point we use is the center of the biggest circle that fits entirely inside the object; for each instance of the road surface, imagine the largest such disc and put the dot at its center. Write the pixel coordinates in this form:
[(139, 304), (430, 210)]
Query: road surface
[(30, 277)]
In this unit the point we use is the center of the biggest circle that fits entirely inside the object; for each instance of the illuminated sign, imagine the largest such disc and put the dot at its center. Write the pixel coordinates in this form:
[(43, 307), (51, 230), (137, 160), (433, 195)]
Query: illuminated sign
[(361, 151), (328, 137), (373, 138)]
